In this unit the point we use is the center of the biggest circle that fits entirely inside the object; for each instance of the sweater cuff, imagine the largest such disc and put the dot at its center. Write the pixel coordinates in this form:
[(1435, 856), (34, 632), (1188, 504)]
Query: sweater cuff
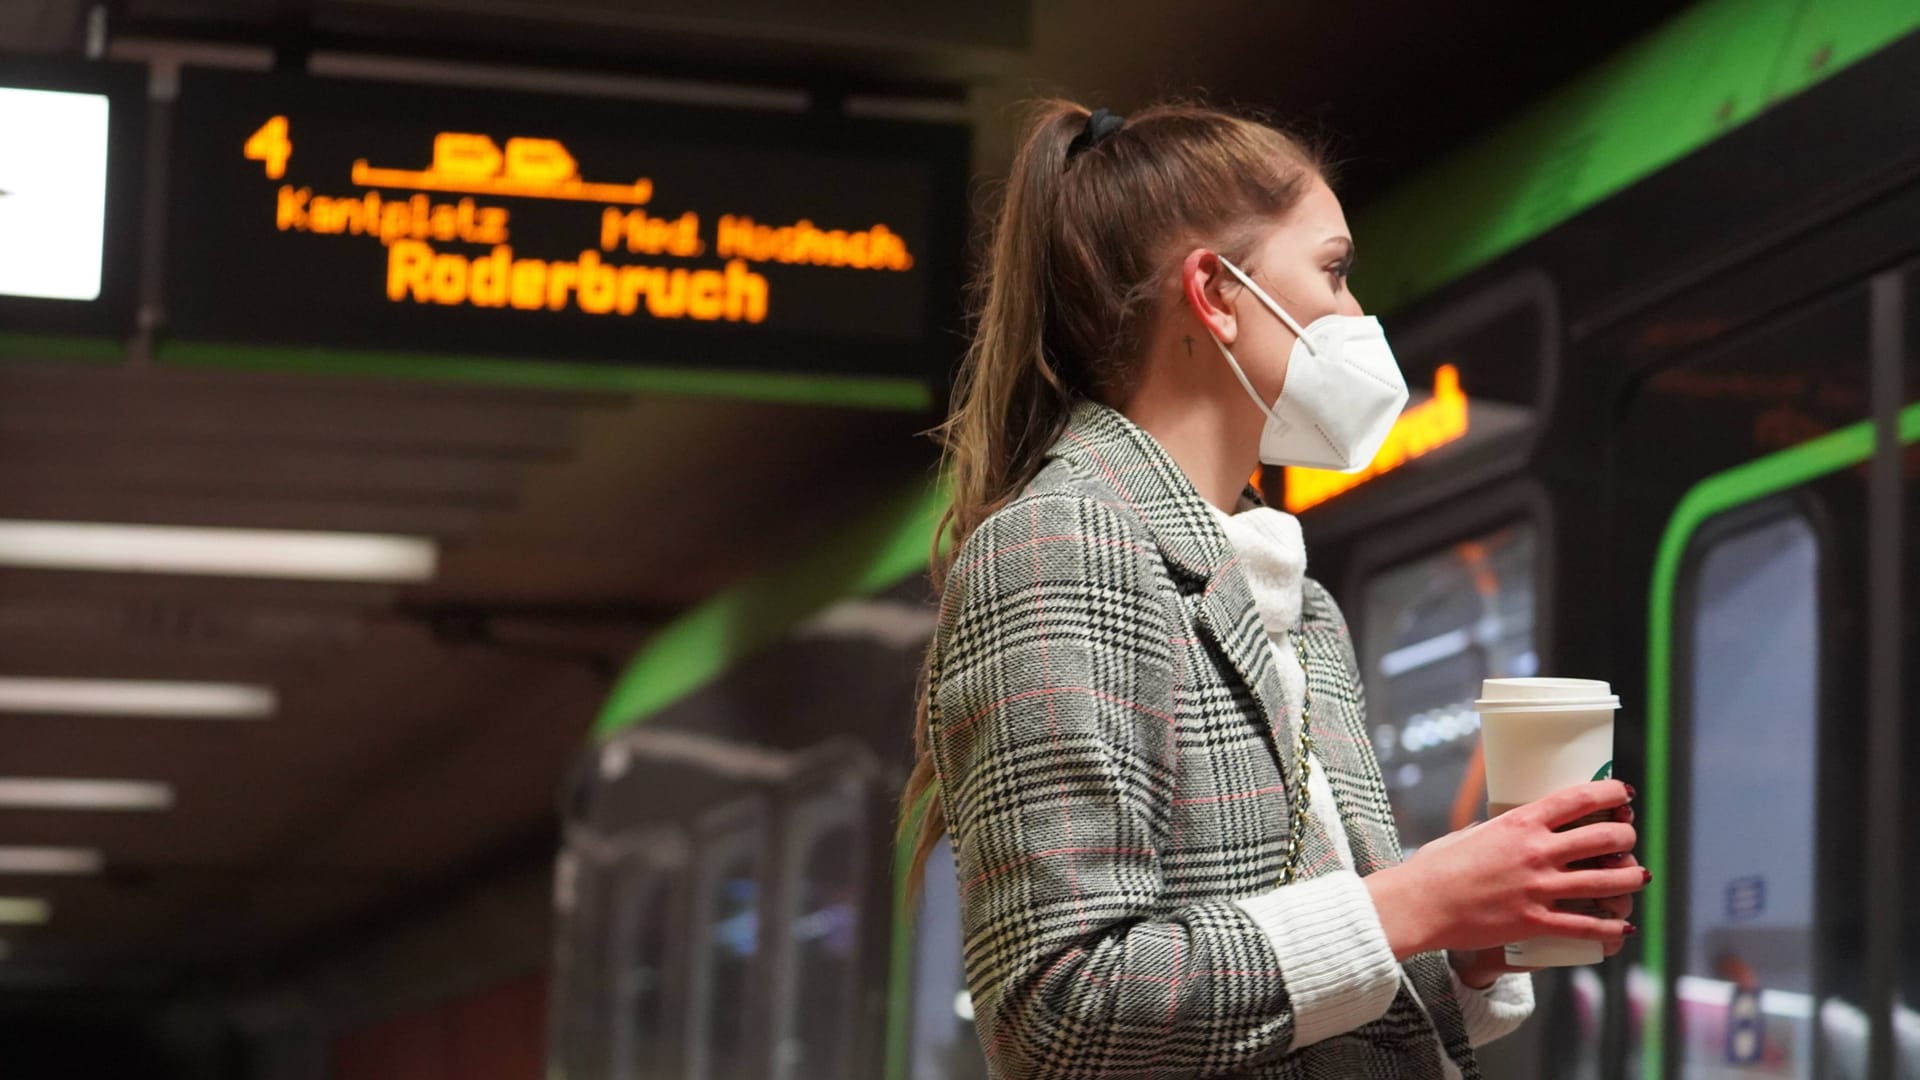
[(1497, 1010), (1340, 973)]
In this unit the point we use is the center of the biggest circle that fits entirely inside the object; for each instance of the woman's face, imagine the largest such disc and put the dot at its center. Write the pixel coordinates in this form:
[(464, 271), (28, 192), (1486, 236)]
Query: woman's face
[(1302, 262)]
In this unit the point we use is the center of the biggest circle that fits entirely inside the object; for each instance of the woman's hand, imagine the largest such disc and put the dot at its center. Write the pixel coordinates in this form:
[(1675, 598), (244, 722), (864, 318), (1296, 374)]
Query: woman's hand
[(1480, 968), (1619, 907), (1502, 881)]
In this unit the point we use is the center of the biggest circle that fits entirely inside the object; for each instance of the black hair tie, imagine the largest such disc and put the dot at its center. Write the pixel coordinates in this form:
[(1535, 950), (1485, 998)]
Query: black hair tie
[(1101, 124)]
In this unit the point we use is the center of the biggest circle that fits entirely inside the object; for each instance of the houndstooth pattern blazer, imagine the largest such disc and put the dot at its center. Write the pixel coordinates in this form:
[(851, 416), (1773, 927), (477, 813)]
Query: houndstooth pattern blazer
[(1114, 760)]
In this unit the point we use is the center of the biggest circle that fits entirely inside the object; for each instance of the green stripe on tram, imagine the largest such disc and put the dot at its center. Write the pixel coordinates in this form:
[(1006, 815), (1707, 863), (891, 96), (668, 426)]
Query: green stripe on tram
[(1707, 71), (884, 548), (1717, 494)]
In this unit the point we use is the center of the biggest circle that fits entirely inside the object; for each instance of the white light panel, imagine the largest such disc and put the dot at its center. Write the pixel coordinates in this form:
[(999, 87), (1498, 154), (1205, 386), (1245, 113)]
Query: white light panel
[(135, 697), (20, 793), (24, 910), (221, 552), (49, 860), (53, 193)]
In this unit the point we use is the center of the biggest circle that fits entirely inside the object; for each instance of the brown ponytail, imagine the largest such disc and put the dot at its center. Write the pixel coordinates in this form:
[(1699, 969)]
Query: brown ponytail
[(1082, 251)]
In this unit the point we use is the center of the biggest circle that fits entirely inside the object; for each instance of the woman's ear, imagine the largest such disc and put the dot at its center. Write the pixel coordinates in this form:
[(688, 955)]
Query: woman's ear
[(1202, 279)]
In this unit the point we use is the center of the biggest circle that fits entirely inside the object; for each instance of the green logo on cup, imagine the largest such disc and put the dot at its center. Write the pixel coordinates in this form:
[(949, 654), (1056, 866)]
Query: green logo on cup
[(1605, 771)]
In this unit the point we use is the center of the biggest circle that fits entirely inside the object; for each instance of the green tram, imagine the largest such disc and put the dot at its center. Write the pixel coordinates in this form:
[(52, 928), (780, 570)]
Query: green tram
[(1669, 322)]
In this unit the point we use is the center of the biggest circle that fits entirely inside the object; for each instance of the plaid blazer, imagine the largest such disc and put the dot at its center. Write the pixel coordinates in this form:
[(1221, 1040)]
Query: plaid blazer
[(1114, 758)]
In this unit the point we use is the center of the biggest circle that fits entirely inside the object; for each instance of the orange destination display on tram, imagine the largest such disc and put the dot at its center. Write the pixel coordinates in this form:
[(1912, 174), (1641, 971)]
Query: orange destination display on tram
[(1423, 428), (316, 214)]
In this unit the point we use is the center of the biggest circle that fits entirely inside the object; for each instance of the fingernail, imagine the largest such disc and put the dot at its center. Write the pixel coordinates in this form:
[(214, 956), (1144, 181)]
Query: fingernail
[(1623, 813), (1645, 876), (1629, 792), (1632, 929)]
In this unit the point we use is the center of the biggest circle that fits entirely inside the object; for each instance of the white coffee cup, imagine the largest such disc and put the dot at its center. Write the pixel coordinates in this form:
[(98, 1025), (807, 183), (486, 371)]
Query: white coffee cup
[(1540, 736)]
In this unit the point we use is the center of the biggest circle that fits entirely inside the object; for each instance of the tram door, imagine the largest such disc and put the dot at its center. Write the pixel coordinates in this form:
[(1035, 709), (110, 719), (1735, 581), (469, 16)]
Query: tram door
[(647, 937), (726, 996), (1436, 623), (819, 1017), (577, 1033), (1906, 1002), (1747, 463)]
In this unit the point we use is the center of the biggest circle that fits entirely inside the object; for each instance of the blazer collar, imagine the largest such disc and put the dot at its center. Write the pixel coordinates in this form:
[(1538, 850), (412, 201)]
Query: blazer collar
[(1101, 441), (1147, 480)]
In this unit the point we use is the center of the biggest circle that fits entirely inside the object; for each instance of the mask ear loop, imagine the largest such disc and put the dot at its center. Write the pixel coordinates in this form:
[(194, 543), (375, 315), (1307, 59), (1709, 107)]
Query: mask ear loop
[(1235, 364), (1271, 304), (1244, 381)]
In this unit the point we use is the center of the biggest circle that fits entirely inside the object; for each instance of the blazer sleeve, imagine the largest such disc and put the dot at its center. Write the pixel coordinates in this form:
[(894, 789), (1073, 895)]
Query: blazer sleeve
[(1052, 722)]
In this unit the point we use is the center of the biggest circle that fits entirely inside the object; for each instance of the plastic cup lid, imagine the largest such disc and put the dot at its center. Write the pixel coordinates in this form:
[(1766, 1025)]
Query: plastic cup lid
[(1538, 689), (1484, 706), (1510, 695)]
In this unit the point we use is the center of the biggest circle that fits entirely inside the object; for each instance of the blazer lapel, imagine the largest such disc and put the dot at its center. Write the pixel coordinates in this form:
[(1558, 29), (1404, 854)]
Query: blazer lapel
[(1102, 442), (1331, 703), (1225, 615), (1337, 743)]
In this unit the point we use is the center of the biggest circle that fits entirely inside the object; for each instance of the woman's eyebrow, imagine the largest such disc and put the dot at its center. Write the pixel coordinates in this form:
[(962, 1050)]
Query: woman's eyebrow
[(1342, 242)]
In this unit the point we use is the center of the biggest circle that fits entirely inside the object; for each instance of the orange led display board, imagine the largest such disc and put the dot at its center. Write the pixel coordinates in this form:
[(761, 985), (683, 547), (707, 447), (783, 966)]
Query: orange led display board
[(343, 214)]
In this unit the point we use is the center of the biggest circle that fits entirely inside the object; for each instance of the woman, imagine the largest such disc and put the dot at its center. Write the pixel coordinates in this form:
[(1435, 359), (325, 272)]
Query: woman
[(1143, 724)]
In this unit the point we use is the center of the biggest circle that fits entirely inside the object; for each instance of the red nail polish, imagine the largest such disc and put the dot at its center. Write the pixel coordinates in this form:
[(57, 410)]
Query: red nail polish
[(1645, 876), (1629, 791), (1632, 929)]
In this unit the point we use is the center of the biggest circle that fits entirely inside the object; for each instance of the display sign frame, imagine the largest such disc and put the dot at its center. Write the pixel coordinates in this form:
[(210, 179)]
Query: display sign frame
[(845, 323)]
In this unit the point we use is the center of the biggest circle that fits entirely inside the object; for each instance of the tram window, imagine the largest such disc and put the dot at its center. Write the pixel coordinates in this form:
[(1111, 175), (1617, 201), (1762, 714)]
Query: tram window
[(645, 979), (1745, 986), (730, 948), (1435, 627), (580, 1036), (944, 1044), (823, 931)]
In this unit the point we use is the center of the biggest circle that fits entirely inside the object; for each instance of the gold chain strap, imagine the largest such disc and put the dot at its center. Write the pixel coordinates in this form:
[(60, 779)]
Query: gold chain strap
[(1302, 766)]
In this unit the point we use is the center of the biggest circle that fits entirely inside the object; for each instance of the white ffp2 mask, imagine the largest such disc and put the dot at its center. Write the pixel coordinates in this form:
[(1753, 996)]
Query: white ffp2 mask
[(1343, 390)]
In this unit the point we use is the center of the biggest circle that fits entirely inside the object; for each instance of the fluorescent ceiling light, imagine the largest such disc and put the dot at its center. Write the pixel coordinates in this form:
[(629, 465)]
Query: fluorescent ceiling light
[(24, 910), (135, 697), (49, 860), (22, 794), (254, 553)]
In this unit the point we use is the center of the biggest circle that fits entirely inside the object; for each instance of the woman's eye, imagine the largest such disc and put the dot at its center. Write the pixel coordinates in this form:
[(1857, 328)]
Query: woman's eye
[(1339, 272)]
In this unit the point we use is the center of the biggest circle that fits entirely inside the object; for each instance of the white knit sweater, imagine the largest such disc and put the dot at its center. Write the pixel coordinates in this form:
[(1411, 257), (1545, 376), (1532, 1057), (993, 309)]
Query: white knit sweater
[(1341, 973)]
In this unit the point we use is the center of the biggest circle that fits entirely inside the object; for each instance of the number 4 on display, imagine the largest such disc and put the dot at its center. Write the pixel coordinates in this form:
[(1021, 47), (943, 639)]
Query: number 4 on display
[(271, 147)]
